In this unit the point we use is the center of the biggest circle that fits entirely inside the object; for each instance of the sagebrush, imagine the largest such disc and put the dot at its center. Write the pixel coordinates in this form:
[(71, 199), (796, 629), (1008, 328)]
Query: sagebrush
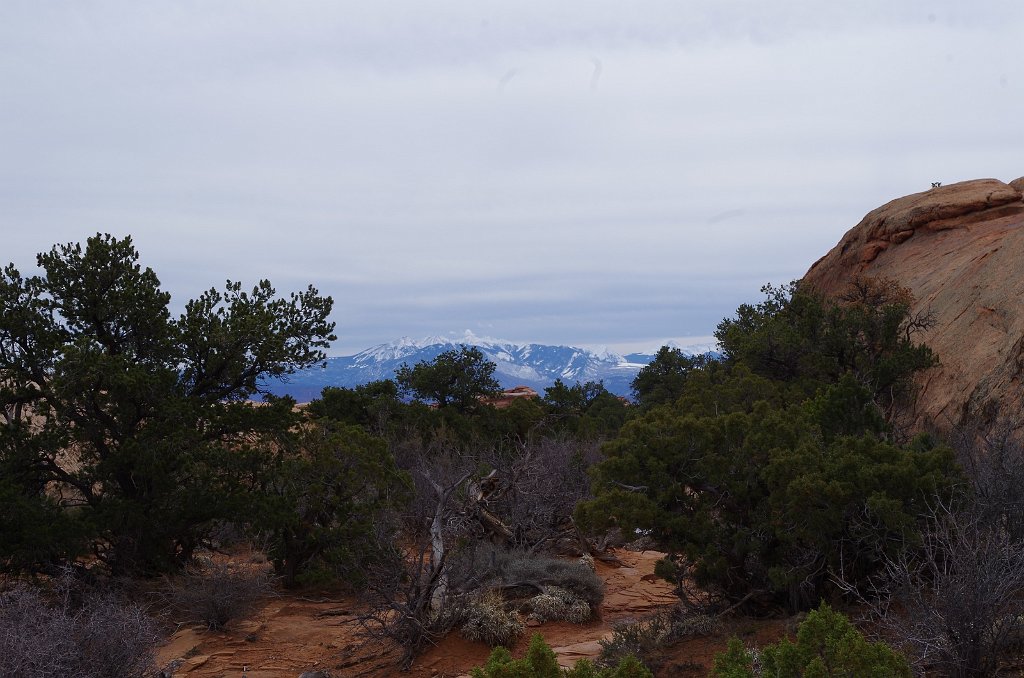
[(99, 637)]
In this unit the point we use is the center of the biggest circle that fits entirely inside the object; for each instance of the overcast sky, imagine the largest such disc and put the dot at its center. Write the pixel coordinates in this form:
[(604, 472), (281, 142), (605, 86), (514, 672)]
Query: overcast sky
[(616, 173)]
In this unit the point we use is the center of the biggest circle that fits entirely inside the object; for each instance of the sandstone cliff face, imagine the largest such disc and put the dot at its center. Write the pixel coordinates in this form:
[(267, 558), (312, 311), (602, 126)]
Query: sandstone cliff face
[(960, 251)]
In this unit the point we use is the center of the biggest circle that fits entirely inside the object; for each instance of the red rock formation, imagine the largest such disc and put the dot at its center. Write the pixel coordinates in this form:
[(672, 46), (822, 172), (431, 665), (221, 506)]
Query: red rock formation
[(509, 396), (960, 251)]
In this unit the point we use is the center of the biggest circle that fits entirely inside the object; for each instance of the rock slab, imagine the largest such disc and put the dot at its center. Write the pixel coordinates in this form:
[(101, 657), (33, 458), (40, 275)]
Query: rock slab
[(960, 250)]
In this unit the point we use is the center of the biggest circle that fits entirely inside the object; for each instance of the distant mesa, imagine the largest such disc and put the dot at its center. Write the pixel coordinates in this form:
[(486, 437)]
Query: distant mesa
[(959, 248), (509, 396)]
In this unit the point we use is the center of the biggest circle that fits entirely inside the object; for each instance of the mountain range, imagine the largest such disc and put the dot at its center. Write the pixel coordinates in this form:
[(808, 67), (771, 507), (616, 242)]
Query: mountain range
[(533, 365)]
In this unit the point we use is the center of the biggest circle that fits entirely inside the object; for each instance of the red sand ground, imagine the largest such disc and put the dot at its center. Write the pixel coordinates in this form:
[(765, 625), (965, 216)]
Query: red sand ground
[(291, 634)]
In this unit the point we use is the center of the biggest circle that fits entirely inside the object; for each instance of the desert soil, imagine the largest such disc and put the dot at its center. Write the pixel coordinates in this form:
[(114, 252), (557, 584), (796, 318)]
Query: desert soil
[(291, 634)]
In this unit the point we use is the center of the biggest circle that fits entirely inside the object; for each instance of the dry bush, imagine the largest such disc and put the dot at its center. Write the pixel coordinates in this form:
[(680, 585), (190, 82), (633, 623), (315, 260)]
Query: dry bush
[(225, 535), (412, 601), (955, 602), (487, 619), (521, 574), (444, 467), (649, 639), (536, 489), (484, 586), (992, 458), (540, 485), (216, 596), (101, 638), (517, 567), (449, 524), (402, 611), (558, 604)]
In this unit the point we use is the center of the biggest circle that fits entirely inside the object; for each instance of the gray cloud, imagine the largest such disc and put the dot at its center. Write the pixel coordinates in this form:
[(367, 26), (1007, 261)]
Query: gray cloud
[(367, 148)]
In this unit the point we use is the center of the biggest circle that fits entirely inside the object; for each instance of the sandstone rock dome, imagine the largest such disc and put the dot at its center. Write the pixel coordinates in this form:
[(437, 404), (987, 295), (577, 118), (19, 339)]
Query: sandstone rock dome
[(960, 251)]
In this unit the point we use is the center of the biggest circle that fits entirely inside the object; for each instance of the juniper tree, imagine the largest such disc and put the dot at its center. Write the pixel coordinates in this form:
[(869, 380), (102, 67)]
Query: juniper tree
[(132, 425)]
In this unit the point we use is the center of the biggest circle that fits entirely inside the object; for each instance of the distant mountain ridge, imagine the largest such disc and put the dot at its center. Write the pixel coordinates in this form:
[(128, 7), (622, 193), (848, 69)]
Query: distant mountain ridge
[(533, 365)]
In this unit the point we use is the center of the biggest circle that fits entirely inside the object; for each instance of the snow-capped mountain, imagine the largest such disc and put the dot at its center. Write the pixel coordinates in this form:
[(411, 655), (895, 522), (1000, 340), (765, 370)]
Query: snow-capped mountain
[(534, 365)]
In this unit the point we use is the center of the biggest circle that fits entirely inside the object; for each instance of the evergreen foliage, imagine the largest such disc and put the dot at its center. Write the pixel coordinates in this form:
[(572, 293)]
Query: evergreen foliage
[(777, 467), (663, 380), (331, 504), (456, 378), (136, 418), (827, 646), (798, 337), (540, 662), (586, 410), (375, 406)]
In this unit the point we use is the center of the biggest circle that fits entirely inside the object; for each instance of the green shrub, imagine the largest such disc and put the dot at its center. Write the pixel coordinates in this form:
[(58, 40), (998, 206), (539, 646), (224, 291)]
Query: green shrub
[(150, 409), (735, 662), (827, 646), (329, 505), (759, 501), (779, 464), (540, 662)]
